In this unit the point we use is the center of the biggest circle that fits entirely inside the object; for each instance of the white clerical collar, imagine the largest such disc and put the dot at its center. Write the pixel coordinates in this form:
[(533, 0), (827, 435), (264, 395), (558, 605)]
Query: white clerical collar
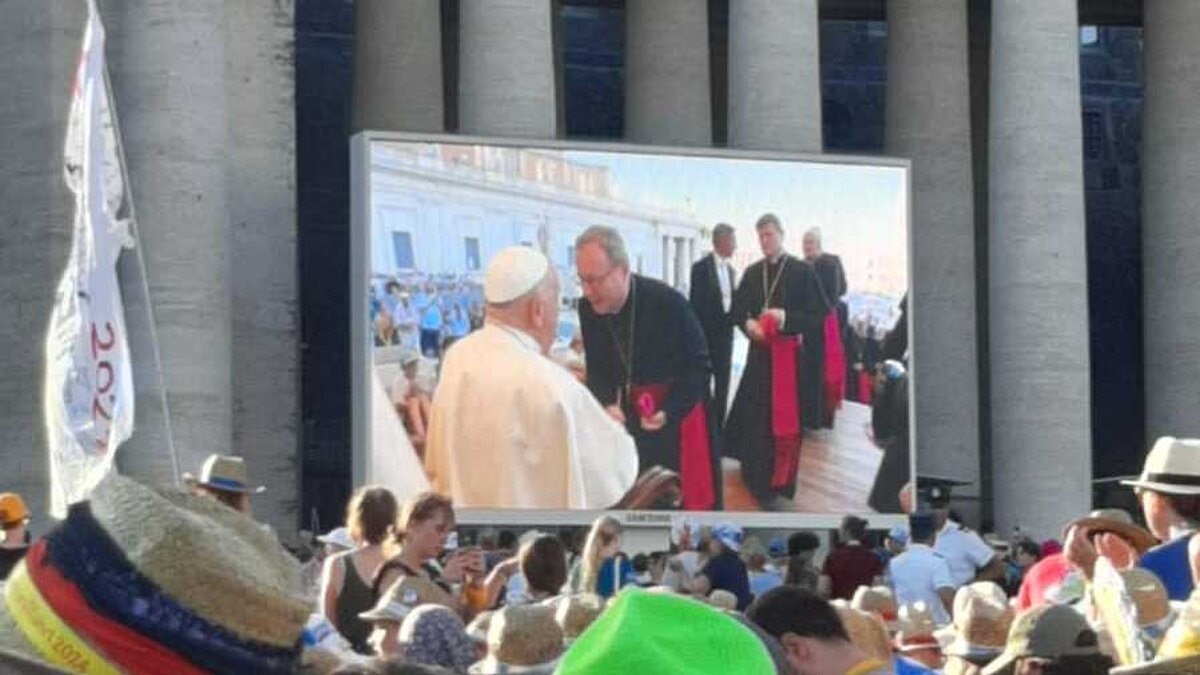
[(524, 339)]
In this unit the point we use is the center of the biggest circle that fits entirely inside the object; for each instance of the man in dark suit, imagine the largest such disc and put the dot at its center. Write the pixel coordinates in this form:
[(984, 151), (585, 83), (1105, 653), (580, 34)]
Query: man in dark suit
[(711, 295)]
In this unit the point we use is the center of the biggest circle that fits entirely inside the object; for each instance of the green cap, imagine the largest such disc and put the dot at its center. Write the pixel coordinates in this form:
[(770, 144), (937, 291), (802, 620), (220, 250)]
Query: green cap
[(665, 634), (1046, 632)]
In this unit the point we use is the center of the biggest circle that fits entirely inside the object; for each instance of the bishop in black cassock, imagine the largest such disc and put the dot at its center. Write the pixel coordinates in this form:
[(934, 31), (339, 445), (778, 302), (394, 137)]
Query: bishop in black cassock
[(789, 284), (654, 342)]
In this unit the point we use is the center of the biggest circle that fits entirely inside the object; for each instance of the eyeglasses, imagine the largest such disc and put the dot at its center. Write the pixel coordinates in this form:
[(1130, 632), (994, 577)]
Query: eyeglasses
[(596, 280)]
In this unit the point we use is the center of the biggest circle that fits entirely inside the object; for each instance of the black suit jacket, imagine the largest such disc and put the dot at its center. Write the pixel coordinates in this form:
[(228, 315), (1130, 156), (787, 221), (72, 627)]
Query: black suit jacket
[(705, 295)]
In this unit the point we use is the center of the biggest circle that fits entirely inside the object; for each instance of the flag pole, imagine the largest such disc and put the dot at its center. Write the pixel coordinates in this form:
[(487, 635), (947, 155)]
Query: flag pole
[(93, 6)]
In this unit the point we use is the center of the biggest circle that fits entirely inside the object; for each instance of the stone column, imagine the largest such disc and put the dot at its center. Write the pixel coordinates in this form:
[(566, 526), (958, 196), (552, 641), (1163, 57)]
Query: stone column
[(929, 122), (775, 75), (507, 84), (261, 179), (398, 65), (39, 47), (668, 95), (1170, 234), (1041, 403), (168, 66)]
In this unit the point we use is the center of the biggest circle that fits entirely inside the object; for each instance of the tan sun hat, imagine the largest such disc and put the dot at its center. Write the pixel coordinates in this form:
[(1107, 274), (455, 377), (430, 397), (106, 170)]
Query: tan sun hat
[(723, 599), (224, 472), (1118, 522), (982, 619), (1172, 467), (877, 600), (1048, 632), (915, 629), (866, 631), (403, 596), (576, 612), (522, 639)]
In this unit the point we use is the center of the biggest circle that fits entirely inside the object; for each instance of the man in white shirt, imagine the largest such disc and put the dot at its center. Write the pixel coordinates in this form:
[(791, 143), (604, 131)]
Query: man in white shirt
[(711, 296), (969, 556), (512, 429), (921, 574)]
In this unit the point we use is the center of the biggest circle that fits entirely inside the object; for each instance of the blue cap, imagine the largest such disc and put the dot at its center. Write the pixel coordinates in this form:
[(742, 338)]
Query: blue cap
[(898, 534), (777, 547)]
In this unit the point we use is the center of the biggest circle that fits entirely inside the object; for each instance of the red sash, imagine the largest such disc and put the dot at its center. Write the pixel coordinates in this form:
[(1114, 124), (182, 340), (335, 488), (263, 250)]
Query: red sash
[(785, 403), (864, 387), (695, 461), (835, 366)]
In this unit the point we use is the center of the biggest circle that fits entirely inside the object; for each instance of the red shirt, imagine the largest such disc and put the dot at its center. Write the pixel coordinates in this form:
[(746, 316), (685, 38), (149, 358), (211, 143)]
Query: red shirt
[(1045, 578), (849, 567)]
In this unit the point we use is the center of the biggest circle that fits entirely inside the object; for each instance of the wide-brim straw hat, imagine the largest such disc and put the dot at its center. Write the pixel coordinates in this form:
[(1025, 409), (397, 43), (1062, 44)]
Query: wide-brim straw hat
[(224, 472), (982, 619), (1171, 467), (877, 600), (915, 629), (403, 596), (866, 631), (1119, 523), (203, 557), (522, 639)]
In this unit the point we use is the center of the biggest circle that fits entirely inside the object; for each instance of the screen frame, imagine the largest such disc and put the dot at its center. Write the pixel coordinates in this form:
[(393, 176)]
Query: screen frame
[(360, 338)]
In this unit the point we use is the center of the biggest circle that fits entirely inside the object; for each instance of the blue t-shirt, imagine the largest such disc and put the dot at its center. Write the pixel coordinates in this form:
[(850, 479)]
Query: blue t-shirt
[(728, 572), (903, 666), (761, 582), (1169, 562), (604, 579)]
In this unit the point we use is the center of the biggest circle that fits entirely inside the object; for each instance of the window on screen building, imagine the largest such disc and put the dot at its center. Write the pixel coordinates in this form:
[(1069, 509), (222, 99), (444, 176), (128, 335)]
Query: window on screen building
[(472, 244), (402, 251)]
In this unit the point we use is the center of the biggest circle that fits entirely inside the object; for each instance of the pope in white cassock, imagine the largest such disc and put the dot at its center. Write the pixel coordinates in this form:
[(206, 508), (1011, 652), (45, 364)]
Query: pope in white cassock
[(512, 429)]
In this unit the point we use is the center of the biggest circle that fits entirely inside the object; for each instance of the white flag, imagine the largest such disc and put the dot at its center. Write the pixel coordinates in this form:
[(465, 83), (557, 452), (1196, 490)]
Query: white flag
[(89, 385)]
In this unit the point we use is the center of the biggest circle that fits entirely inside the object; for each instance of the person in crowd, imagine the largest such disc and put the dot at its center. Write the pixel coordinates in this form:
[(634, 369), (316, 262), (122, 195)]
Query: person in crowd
[(14, 518), (851, 564), (458, 325), (1059, 578), (1051, 640), (413, 404), (425, 523), (690, 555), (346, 577), (385, 620), (1169, 492), (724, 569), (894, 543), (522, 639), (550, 445), (223, 477), (916, 645), (431, 326), (381, 320), (812, 634), (603, 570), (982, 619), (832, 276), (403, 316), (921, 574), (762, 576), (543, 564), (1024, 555), (711, 295), (970, 557), (648, 364), (780, 307), (802, 547), (434, 635), (326, 546)]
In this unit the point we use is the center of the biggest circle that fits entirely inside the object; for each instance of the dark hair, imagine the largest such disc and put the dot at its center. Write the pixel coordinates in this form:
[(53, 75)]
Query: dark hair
[(1028, 547), (801, 574), (371, 514), (769, 220), (788, 609), (641, 563), (721, 230), (854, 527), (420, 508), (802, 542), (506, 540), (544, 564), (922, 527), (387, 288), (1187, 506), (1078, 664)]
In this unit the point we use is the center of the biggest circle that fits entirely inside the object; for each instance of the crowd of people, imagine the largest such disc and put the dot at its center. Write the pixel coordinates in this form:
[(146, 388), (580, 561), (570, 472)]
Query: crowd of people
[(401, 588), (425, 313)]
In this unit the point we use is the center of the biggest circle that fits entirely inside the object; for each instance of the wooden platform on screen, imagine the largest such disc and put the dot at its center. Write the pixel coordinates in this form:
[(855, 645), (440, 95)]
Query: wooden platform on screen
[(837, 468)]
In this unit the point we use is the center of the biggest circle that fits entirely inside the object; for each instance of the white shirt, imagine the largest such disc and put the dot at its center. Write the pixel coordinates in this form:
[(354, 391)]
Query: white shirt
[(725, 280), (512, 429), (965, 552), (691, 562), (916, 575)]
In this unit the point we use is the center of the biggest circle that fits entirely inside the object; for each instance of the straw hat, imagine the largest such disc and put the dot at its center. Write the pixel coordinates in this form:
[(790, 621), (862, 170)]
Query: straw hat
[(1179, 652), (522, 639), (182, 571), (224, 472), (916, 629), (1118, 522), (402, 597), (1172, 467), (982, 619), (722, 599), (477, 630), (877, 600), (576, 612), (866, 631)]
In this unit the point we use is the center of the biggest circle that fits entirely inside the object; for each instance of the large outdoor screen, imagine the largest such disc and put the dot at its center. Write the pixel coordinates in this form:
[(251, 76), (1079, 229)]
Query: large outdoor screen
[(431, 211)]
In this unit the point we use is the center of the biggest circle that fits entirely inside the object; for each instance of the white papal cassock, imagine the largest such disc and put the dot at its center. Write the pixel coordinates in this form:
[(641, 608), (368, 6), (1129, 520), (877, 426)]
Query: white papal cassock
[(512, 429)]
